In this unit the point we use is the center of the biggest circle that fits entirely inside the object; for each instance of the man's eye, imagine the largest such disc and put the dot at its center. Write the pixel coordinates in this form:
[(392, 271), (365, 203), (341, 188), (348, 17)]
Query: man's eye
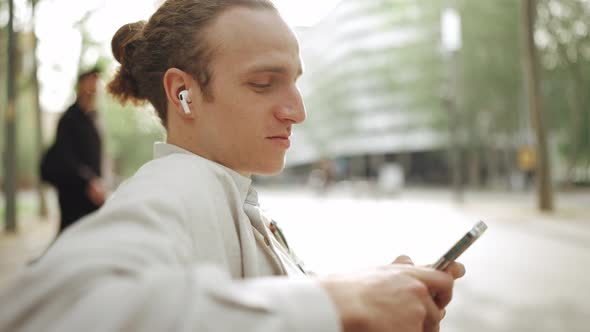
[(259, 85)]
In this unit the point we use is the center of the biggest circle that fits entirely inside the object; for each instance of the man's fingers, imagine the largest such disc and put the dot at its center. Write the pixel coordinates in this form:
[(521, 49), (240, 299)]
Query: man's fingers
[(440, 284), (455, 269), (433, 316), (403, 259)]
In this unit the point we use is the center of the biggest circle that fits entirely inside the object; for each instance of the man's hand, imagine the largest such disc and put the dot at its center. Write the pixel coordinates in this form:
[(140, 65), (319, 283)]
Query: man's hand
[(397, 297), (455, 269), (96, 192)]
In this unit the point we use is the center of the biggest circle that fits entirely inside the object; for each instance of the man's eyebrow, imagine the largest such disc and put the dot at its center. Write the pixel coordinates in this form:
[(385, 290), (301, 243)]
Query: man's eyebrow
[(272, 69)]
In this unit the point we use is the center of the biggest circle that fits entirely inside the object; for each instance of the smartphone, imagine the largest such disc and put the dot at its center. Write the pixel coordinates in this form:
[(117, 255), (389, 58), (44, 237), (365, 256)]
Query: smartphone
[(461, 245)]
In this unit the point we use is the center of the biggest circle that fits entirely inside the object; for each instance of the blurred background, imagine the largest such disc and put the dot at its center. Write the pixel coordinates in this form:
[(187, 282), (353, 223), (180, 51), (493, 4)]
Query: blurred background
[(423, 117)]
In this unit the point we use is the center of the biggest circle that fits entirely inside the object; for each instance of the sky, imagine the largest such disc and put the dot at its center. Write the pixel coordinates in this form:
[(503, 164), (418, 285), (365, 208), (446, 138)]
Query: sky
[(59, 40)]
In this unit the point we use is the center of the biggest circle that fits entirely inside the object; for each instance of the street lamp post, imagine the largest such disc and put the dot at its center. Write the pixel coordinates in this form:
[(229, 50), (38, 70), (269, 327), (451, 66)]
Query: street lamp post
[(10, 126), (451, 45)]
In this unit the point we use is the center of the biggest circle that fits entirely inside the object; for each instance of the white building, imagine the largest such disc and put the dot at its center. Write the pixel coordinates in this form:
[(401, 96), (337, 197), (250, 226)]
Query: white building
[(360, 81)]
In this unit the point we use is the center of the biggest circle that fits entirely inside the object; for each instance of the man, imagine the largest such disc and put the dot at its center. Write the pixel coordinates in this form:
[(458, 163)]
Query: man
[(73, 163), (183, 245)]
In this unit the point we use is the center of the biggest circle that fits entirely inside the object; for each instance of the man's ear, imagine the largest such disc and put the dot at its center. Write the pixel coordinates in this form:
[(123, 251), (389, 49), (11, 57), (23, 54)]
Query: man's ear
[(180, 92)]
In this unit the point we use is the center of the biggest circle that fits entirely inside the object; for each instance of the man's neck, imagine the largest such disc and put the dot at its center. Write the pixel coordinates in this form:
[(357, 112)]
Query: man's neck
[(87, 104), (181, 142)]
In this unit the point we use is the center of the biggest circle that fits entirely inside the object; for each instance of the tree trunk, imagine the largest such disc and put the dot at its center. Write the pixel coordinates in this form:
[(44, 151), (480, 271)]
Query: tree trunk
[(508, 165), (475, 153), (10, 126), (38, 122), (454, 155), (493, 168), (405, 159), (454, 120), (531, 69), (575, 134)]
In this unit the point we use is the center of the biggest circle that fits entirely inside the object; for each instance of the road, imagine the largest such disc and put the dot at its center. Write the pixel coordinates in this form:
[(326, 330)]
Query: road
[(529, 272)]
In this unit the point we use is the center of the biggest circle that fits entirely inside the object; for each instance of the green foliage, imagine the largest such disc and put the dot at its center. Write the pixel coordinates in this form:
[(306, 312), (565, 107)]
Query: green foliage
[(491, 75), (3, 77), (26, 153), (25, 208), (130, 135), (24, 117), (564, 38)]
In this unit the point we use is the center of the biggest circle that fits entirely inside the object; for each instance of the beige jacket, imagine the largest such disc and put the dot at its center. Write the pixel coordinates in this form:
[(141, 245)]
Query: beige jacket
[(180, 246)]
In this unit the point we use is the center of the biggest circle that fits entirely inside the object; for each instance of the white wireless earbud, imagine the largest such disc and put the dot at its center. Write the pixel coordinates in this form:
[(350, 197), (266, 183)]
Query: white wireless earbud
[(184, 100)]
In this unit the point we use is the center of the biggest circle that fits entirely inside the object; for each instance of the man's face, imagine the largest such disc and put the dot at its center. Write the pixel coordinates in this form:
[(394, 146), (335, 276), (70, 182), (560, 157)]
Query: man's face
[(255, 101), (88, 85)]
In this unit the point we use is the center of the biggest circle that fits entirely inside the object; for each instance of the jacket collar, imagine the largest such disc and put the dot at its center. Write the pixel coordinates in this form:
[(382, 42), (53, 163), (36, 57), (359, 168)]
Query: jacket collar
[(243, 183)]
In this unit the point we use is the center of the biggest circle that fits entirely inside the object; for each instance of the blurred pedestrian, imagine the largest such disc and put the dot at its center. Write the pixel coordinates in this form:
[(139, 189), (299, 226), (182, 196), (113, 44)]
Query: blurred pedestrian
[(73, 163)]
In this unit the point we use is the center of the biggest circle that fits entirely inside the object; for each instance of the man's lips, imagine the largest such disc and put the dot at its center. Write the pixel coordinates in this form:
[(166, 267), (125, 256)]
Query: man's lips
[(282, 140), (284, 136)]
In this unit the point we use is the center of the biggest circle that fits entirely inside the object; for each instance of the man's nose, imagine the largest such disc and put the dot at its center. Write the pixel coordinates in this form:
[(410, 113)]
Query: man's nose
[(292, 109)]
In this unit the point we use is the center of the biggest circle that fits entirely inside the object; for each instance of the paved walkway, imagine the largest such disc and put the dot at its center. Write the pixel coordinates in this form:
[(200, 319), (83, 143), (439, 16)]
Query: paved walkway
[(28, 243)]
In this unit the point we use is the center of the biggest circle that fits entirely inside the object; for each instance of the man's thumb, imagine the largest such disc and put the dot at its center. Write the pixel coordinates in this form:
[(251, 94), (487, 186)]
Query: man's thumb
[(403, 259)]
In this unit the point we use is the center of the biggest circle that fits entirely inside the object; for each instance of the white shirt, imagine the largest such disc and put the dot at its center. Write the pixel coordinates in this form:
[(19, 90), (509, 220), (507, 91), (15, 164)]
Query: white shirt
[(167, 252), (278, 255)]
